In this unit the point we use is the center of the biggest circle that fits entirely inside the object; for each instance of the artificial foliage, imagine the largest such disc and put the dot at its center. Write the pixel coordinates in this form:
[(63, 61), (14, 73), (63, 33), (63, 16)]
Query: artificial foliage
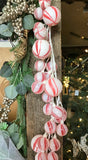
[(77, 101), (17, 26)]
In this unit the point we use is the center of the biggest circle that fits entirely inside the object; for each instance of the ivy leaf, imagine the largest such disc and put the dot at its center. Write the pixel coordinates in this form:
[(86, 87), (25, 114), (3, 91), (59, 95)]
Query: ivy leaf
[(11, 92), (6, 70), (28, 80), (3, 126), (5, 31), (28, 22), (21, 89), (20, 143)]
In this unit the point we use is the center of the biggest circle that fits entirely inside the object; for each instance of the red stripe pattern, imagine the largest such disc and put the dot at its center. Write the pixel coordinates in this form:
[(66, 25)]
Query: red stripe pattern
[(62, 130), (41, 49), (53, 87), (44, 3), (43, 144), (34, 143), (50, 127), (46, 98), (59, 113), (52, 156), (51, 16), (40, 31), (39, 65), (39, 77), (38, 13), (41, 156), (37, 87), (54, 144), (47, 109)]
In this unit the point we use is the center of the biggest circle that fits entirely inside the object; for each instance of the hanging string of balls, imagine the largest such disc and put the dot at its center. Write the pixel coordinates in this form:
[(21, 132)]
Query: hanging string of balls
[(47, 84)]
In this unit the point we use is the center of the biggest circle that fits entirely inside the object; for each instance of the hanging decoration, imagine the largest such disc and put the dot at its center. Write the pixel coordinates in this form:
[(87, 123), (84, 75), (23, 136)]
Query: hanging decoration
[(78, 146), (47, 84)]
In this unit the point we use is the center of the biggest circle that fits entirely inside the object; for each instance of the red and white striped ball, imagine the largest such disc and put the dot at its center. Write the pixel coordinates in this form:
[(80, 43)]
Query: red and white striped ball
[(50, 127), (53, 156), (54, 144), (49, 66), (34, 143), (47, 109), (38, 13), (39, 65), (41, 156), (41, 49), (46, 98), (39, 77), (51, 16), (44, 3), (40, 31), (59, 113), (53, 87), (37, 87), (62, 129), (43, 144)]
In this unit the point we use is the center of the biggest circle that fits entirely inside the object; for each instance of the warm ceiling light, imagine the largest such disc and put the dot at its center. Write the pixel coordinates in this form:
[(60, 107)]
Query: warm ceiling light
[(82, 37), (86, 50)]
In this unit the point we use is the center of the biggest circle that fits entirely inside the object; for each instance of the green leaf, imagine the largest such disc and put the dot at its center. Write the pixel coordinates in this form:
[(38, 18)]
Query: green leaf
[(28, 80), (4, 30), (15, 138), (12, 128), (11, 92), (10, 27), (3, 126), (21, 89), (20, 143), (6, 70), (28, 22)]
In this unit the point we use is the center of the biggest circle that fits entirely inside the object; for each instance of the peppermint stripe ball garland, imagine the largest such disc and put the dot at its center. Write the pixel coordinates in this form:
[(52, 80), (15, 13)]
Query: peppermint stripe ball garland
[(41, 49), (44, 3), (51, 16), (38, 13), (41, 156), (40, 31), (39, 65), (47, 83), (53, 87)]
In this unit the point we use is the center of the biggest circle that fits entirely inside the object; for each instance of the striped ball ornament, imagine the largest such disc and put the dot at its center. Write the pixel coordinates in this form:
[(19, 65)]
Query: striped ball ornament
[(41, 49), (52, 156), (37, 87), (34, 143), (43, 144), (53, 87), (47, 109), (46, 98), (51, 16), (62, 130), (40, 31), (49, 66), (38, 13), (54, 144), (50, 127), (44, 3), (41, 156), (59, 113), (39, 65), (39, 77)]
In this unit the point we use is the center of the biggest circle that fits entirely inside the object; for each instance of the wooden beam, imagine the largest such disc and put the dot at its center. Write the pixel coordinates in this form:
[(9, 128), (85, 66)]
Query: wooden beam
[(35, 117)]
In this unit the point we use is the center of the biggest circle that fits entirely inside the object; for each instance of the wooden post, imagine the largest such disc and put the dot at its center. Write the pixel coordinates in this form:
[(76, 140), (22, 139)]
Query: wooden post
[(35, 117)]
